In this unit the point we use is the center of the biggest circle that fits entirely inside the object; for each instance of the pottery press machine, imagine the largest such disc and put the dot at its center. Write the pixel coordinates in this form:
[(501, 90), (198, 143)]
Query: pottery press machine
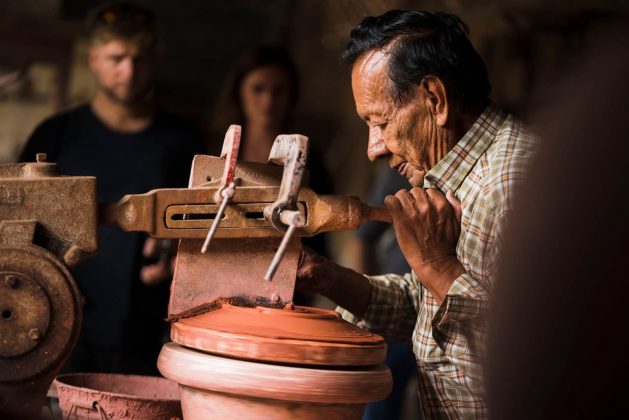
[(241, 348)]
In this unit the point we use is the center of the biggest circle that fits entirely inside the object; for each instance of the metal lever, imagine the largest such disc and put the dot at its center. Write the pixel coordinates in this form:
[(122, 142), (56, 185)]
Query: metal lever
[(226, 192), (292, 152), (293, 219)]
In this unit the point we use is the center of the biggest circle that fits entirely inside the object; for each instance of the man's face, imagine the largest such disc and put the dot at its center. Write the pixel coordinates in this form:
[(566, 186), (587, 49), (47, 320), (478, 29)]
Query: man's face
[(403, 132), (124, 72)]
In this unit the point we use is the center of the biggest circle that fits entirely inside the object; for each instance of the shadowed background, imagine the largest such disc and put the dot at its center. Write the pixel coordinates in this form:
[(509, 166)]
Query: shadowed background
[(527, 46)]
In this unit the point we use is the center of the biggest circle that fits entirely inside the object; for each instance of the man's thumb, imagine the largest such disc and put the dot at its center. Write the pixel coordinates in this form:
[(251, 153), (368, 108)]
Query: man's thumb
[(455, 203)]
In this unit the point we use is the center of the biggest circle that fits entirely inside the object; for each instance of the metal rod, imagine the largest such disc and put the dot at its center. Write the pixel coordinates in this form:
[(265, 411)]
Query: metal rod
[(280, 252), (214, 226)]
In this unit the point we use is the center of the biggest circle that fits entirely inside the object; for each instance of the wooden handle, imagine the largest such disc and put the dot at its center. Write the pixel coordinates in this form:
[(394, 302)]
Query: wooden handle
[(379, 213)]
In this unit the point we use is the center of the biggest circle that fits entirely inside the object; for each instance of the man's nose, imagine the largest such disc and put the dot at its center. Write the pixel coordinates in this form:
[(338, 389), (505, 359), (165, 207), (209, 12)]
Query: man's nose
[(375, 146), (127, 68)]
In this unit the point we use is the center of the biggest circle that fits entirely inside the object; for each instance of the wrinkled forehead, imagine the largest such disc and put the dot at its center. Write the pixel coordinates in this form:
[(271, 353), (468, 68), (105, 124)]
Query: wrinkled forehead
[(370, 79), (370, 71), (371, 62)]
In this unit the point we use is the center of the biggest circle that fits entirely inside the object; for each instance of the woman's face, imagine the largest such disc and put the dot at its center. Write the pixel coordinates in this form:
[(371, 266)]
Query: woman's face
[(265, 95)]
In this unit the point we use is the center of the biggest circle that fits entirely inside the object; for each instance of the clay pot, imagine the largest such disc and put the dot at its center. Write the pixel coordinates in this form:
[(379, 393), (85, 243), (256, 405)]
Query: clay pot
[(263, 363), (214, 387), (108, 396)]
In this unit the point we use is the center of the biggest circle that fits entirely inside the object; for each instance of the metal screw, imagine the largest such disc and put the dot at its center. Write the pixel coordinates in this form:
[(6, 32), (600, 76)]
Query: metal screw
[(35, 334), (275, 298), (10, 281), (41, 157)]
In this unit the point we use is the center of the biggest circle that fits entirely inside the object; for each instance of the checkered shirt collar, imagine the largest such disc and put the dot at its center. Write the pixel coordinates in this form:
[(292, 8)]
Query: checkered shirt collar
[(449, 172)]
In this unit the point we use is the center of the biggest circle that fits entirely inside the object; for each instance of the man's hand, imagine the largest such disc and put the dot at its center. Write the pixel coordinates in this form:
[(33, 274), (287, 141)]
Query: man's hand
[(427, 225), (154, 274), (343, 286), (315, 273)]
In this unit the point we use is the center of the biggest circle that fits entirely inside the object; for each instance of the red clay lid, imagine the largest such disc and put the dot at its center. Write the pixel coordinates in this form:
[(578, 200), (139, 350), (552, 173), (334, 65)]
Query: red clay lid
[(301, 335)]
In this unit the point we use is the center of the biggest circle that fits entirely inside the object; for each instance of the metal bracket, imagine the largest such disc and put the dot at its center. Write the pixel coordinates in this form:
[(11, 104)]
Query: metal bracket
[(290, 150)]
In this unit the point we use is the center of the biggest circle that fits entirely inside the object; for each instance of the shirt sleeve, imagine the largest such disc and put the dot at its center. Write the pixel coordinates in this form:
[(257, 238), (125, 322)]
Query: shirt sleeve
[(459, 326), (392, 309), (467, 297), (465, 303)]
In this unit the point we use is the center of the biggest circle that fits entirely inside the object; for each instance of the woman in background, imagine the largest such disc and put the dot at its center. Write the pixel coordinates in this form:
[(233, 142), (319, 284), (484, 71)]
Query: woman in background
[(261, 95)]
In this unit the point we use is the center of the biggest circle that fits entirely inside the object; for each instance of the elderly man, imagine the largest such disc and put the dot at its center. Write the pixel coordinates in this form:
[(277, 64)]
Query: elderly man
[(423, 91)]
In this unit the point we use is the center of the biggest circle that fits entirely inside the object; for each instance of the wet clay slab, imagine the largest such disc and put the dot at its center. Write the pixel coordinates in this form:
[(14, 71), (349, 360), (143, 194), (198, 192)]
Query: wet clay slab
[(300, 335)]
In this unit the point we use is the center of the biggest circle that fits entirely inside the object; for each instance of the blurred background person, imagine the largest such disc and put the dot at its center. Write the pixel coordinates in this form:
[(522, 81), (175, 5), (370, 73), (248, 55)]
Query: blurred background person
[(131, 146), (558, 348), (261, 95)]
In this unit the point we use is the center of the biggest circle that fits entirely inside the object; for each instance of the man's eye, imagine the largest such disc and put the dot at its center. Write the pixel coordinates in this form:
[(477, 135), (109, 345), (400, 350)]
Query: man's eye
[(116, 58)]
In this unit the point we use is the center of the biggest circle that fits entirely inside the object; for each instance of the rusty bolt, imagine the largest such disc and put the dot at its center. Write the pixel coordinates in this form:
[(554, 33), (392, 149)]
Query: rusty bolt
[(275, 298), (41, 157), (10, 281), (35, 334)]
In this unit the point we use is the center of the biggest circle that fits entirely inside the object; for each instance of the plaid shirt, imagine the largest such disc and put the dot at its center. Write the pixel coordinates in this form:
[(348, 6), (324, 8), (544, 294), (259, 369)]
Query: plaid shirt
[(448, 339)]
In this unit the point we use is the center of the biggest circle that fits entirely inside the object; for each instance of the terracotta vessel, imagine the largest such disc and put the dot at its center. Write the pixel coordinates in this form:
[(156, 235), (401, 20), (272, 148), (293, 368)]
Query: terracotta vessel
[(262, 363), (108, 396)]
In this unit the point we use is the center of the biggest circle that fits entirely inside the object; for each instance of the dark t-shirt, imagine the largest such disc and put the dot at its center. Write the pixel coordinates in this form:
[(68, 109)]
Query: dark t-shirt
[(118, 309)]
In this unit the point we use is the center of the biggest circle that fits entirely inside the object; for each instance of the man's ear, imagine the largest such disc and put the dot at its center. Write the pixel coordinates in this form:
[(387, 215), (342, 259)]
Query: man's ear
[(436, 98)]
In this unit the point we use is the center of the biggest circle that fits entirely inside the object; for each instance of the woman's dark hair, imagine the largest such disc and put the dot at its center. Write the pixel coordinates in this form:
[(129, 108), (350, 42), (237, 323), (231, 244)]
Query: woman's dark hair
[(422, 44), (230, 108)]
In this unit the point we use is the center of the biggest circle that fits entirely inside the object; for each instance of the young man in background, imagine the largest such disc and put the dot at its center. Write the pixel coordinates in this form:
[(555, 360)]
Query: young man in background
[(130, 146)]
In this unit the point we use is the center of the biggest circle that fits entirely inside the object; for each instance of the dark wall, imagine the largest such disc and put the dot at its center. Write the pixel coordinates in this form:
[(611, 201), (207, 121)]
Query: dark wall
[(528, 46)]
